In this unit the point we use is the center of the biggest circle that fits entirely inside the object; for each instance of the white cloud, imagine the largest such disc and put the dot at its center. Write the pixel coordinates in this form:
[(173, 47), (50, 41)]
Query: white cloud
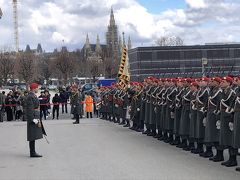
[(50, 21), (196, 3)]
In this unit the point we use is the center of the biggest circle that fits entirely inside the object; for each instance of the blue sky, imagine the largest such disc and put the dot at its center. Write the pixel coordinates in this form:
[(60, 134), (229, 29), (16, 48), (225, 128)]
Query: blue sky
[(157, 6)]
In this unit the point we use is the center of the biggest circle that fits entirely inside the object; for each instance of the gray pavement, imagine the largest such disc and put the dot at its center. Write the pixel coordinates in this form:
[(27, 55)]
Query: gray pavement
[(96, 149)]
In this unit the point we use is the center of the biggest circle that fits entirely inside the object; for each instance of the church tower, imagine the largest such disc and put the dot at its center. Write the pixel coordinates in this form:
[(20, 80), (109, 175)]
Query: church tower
[(112, 38), (87, 48), (98, 49)]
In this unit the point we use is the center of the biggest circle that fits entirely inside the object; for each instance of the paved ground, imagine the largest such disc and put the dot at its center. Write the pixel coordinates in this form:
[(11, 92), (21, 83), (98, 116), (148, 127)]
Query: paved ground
[(97, 149)]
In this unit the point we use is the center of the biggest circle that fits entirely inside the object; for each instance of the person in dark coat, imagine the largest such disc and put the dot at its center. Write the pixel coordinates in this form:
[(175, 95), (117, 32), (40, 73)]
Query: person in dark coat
[(35, 129), (226, 121), (236, 123), (43, 107), (211, 131), (64, 99), (9, 107), (76, 104), (56, 101)]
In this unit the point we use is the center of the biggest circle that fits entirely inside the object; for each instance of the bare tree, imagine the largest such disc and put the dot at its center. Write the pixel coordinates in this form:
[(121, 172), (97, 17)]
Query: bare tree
[(6, 67), (46, 68), (26, 66), (169, 41), (65, 64)]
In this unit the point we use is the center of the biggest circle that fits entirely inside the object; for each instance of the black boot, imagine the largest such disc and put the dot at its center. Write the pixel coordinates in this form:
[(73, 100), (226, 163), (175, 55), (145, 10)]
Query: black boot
[(238, 169), (183, 144), (158, 135), (208, 153), (199, 149), (169, 139), (218, 157), (164, 137), (147, 131), (152, 133), (33, 153), (189, 147), (127, 125), (231, 162), (176, 141)]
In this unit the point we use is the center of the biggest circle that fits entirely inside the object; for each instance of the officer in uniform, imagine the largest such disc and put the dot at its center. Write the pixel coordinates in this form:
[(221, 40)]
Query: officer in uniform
[(193, 114), (202, 100), (35, 129), (149, 90), (159, 108), (170, 105), (76, 104), (185, 115), (226, 120), (143, 104), (211, 131), (167, 90), (152, 114), (236, 123), (177, 111)]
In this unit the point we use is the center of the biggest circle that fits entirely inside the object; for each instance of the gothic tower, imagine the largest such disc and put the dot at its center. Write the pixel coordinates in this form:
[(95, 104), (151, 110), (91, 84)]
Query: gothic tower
[(112, 38)]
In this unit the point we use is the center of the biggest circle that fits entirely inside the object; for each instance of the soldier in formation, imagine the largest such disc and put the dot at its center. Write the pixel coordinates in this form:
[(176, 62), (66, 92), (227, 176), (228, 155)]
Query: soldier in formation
[(195, 115)]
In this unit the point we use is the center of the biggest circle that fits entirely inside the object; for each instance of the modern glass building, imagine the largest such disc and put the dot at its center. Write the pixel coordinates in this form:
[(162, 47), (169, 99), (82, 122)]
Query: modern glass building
[(184, 61)]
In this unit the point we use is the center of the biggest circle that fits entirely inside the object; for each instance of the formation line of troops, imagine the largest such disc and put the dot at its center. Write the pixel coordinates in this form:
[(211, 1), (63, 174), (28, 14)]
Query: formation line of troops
[(197, 115)]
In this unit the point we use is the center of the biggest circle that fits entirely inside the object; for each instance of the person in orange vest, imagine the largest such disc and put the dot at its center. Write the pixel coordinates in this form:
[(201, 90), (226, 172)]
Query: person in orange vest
[(89, 105)]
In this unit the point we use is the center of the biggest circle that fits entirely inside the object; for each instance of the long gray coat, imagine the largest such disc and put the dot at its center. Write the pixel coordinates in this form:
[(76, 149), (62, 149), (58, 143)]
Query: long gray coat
[(213, 115), (32, 112), (202, 100), (193, 116), (185, 119), (236, 126), (226, 135), (178, 110)]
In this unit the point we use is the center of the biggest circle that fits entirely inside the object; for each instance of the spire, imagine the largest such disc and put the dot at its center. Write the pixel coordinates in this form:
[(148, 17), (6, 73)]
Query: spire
[(129, 43), (98, 49), (87, 43), (112, 19)]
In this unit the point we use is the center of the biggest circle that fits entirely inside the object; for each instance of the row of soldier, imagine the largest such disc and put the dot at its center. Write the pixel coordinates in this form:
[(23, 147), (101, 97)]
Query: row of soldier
[(193, 114)]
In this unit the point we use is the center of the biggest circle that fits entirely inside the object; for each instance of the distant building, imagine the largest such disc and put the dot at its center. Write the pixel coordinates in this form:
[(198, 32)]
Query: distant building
[(112, 48), (181, 61), (37, 51)]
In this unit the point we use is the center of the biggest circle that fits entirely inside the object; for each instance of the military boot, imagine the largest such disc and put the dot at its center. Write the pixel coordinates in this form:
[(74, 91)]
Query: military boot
[(238, 169), (189, 147), (176, 141), (169, 139), (208, 153), (218, 157), (231, 162), (199, 149), (147, 131), (33, 153)]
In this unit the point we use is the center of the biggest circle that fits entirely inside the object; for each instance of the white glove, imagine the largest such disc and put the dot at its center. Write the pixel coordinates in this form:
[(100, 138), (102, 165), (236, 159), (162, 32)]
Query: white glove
[(202, 109), (172, 115), (204, 122), (35, 121), (138, 109), (231, 126), (218, 124)]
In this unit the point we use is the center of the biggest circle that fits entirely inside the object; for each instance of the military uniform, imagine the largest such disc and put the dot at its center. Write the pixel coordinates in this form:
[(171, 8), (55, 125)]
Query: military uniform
[(177, 115), (169, 119), (185, 118), (76, 106), (35, 129), (202, 100)]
